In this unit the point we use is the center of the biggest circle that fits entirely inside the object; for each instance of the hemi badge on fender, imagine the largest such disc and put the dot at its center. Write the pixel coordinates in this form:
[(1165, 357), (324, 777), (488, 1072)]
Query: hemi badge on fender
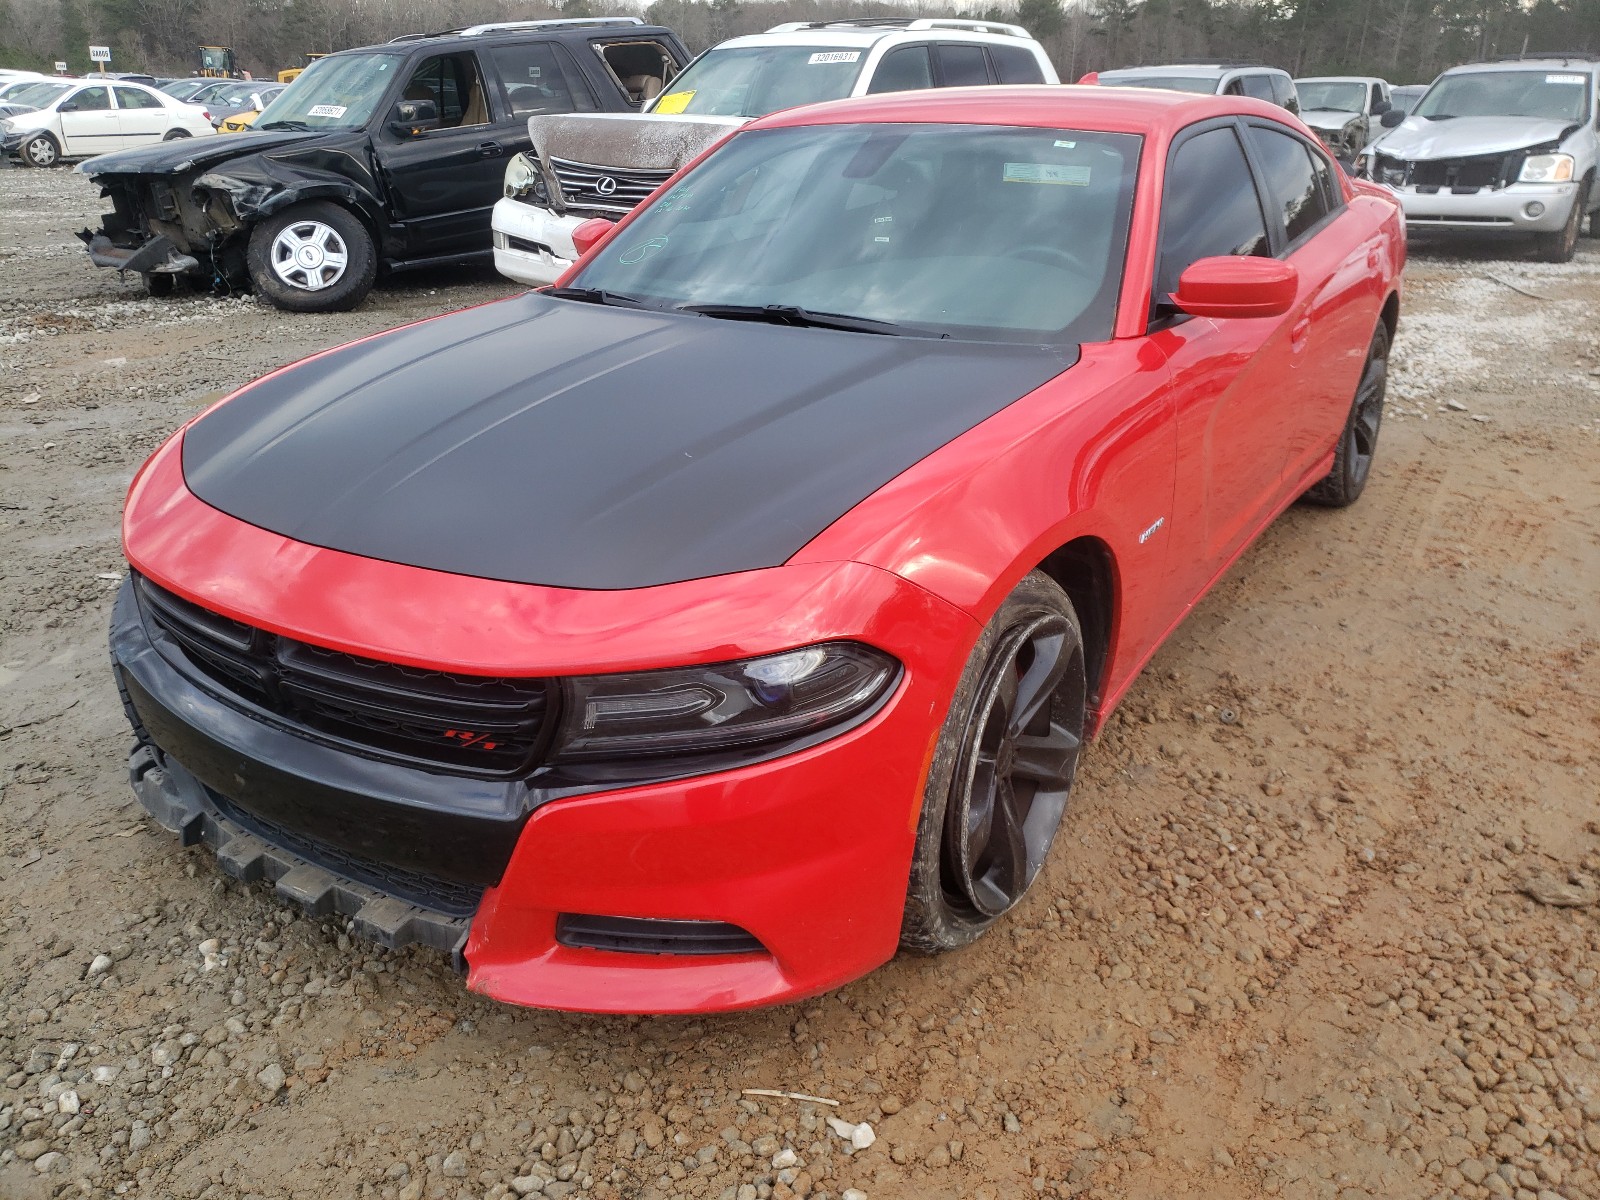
[(1151, 532)]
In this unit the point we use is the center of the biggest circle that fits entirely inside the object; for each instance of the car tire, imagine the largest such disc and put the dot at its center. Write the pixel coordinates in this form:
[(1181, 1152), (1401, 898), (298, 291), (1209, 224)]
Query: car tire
[(336, 277), (1002, 772), (173, 135), (1358, 441), (1560, 246), (41, 151), (1593, 227)]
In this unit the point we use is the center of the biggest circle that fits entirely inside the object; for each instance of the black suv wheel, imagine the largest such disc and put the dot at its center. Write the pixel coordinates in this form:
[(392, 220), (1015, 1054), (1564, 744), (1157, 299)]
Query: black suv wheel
[(312, 257)]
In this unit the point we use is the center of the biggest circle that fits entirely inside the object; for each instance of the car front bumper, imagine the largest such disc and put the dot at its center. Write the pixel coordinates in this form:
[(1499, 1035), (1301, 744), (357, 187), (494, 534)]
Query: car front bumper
[(807, 853), (1488, 210), (531, 244)]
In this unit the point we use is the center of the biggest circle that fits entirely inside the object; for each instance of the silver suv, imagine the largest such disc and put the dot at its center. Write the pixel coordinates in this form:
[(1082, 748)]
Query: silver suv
[(1508, 146), (1209, 79)]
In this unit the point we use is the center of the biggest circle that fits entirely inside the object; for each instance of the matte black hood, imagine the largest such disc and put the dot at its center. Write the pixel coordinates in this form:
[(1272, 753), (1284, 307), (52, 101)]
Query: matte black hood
[(568, 444), (184, 154)]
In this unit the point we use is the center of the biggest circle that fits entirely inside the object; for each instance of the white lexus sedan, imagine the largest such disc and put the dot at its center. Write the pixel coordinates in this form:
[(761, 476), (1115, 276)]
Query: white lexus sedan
[(81, 118)]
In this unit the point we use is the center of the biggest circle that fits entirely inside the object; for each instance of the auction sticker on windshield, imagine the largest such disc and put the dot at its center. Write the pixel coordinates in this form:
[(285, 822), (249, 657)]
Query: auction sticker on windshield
[(834, 56), (1577, 79), (675, 102), (326, 110), (1046, 173)]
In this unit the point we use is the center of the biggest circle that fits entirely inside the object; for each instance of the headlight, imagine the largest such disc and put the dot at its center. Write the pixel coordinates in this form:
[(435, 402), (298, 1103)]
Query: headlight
[(1546, 168), (525, 178), (722, 706)]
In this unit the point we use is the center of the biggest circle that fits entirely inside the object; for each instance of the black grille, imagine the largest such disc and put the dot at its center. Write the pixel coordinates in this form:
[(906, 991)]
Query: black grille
[(638, 935), (1456, 174), (472, 724), (586, 189)]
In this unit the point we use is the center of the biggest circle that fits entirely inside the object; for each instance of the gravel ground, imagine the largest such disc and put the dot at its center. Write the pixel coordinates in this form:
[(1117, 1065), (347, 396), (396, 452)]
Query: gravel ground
[(1324, 923)]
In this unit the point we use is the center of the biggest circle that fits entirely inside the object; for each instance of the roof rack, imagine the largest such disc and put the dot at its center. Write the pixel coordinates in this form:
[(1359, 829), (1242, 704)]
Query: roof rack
[(906, 23), (555, 23), (1553, 56)]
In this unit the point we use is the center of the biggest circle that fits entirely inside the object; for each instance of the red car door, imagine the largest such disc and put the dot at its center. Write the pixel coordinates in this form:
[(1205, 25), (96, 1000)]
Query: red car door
[(1336, 250), (1230, 378)]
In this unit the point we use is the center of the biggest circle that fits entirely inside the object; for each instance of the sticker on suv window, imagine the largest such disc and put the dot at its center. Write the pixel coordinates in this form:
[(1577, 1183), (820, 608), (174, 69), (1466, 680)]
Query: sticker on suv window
[(673, 102), (1046, 173), (326, 110), (1577, 79), (834, 56)]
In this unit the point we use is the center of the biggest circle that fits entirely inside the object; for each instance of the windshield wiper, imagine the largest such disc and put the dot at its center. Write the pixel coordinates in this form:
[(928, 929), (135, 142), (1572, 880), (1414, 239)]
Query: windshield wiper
[(589, 295), (793, 314), (297, 126)]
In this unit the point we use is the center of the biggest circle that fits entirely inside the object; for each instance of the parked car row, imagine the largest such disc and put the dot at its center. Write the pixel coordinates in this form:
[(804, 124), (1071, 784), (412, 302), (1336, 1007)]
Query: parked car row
[(504, 139), (77, 119)]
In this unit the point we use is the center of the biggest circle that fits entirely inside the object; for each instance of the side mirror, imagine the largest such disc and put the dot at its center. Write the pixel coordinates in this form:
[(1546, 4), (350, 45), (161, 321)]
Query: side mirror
[(1391, 118), (412, 117), (1233, 287), (585, 236), (1381, 107)]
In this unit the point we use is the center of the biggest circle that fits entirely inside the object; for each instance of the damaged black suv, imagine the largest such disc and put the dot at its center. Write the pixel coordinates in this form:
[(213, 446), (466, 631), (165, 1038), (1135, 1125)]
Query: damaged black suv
[(387, 157)]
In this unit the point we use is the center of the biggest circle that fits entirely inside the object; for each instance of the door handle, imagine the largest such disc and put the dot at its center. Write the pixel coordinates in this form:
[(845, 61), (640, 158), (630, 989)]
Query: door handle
[(489, 150)]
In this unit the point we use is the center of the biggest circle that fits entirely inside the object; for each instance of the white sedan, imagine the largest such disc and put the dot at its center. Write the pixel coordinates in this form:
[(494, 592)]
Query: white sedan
[(82, 118)]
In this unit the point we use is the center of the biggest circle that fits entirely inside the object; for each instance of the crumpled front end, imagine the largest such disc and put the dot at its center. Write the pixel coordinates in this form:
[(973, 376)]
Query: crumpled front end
[(161, 225), (178, 213)]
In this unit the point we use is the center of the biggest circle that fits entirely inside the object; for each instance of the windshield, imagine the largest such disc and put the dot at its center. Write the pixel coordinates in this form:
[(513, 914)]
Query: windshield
[(237, 94), (338, 92), (1172, 83), (981, 232), (40, 95), (752, 81), (1340, 97), (1552, 95)]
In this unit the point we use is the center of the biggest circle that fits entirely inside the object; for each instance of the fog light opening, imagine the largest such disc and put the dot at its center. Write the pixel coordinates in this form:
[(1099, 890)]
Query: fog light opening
[(1532, 210)]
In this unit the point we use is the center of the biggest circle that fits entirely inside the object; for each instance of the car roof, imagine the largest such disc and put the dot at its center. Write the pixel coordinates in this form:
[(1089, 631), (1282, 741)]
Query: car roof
[(1553, 62), (854, 35), (1339, 79), (1108, 110), (1196, 70)]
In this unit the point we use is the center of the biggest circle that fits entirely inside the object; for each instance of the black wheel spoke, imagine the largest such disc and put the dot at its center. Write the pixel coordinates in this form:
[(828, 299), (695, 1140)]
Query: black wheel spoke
[(1006, 876), (1040, 679), (1045, 759)]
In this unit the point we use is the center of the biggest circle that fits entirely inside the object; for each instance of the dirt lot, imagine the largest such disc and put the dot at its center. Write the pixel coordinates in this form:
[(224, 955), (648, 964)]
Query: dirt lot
[(1285, 949)]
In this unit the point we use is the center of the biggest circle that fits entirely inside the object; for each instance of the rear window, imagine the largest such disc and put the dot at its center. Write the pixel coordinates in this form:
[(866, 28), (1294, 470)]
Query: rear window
[(1013, 64), (963, 66)]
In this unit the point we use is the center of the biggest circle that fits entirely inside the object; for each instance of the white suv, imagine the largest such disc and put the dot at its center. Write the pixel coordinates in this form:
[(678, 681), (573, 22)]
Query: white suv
[(1509, 146), (586, 166)]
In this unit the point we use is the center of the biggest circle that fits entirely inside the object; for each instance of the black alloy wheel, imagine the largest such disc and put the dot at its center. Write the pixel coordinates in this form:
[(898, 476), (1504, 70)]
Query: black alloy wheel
[(1352, 461), (1000, 781)]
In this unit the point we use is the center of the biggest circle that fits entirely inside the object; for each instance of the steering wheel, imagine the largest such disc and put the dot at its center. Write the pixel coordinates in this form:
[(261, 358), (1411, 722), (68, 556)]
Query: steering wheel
[(1050, 255)]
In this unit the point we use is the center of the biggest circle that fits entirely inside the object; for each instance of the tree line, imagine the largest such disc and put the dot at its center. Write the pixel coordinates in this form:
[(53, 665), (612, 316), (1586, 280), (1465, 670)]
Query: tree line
[(1405, 41)]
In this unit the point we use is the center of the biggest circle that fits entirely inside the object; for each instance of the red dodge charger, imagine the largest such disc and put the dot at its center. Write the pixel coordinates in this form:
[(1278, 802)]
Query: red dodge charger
[(693, 634)]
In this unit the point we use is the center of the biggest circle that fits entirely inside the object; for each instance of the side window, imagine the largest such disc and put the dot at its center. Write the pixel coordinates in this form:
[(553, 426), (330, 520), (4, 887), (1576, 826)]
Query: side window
[(1291, 179), (1235, 87), (1258, 86), (902, 70), (1013, 64), (540, 78), (452, 82), (133, 98), (641, 68), (1377, 98), (962, 66), (91, 99), (1210, 207), (1283, 92)]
